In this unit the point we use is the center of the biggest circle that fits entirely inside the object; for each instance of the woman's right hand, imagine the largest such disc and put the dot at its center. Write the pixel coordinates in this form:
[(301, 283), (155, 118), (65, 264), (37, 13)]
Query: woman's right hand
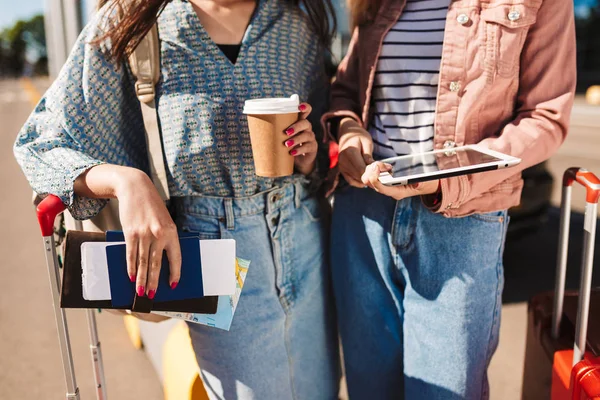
[(149, 230), (147, 225), (355, 151)]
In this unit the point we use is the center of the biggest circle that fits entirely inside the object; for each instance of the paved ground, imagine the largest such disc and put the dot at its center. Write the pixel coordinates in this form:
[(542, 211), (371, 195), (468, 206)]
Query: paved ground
[(30, 361), (30, 365)]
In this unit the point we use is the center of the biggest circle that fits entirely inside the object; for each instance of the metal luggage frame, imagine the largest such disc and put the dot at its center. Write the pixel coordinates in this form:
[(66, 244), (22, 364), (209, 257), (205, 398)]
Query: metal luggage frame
[(592, 185), (47, 211)]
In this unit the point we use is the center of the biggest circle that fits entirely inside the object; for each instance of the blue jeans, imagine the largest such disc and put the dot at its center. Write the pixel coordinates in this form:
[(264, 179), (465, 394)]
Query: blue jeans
[(283, 342), (418, 297)]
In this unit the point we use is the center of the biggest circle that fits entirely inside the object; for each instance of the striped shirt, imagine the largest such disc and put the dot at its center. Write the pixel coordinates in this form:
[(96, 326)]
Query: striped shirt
[(406, 80)]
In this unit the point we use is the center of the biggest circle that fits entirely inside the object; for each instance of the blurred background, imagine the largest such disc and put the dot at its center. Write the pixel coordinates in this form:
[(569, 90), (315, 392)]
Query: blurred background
[(35, 39)]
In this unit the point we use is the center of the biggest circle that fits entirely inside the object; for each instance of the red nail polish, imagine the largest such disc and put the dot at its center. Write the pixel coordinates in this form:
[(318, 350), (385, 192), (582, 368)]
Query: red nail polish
[(133, 278), (289, 131), (294, 152), (151, 294), (174, 285), (140, 291), (289, 143), (302, 107)]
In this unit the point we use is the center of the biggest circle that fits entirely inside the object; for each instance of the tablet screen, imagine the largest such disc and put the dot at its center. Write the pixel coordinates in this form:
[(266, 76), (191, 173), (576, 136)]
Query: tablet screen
[(433, 162)]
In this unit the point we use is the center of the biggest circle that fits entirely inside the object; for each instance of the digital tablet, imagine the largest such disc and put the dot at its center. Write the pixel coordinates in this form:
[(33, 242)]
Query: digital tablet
[(444, 163)]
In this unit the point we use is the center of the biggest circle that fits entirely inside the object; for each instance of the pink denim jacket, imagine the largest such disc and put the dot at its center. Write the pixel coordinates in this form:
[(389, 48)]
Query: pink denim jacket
[(507, 81)]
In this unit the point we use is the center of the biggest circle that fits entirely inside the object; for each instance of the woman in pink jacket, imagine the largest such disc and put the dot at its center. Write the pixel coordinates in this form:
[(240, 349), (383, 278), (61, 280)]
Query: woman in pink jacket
[(417, 270)]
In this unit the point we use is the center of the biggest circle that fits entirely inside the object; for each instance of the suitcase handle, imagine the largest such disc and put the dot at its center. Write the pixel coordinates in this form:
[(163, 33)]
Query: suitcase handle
[(47, 211), (587, 179), (592, 185)]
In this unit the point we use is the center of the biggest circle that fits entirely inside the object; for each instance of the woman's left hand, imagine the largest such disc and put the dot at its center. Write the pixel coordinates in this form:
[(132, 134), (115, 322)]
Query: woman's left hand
[(302, 143), (371, 179)]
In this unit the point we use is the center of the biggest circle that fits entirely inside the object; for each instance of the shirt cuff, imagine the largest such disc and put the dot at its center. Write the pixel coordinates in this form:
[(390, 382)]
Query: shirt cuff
[(326, 122), (82, 208), (433, 200)]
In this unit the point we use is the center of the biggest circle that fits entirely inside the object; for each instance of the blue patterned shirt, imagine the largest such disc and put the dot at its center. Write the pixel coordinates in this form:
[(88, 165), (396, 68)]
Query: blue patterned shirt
[(90, 115)]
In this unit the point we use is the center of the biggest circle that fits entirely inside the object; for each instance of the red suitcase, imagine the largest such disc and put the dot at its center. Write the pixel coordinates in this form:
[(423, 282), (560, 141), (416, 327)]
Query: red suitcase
[(585, 379), (565, 360), (558, 320)]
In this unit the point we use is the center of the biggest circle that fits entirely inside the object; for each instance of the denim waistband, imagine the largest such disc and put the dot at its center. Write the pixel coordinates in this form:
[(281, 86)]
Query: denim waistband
[(264, 202)]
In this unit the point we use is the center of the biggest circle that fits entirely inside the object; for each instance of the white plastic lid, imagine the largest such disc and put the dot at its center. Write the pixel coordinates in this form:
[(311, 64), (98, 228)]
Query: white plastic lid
[(281, 105)]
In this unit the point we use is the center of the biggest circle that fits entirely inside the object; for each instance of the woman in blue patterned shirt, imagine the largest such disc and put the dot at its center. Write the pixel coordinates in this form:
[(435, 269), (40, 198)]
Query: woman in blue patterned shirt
[(85, 143)]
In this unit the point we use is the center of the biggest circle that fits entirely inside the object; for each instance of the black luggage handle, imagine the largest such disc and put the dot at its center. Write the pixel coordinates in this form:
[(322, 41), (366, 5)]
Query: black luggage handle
[(592, 186)]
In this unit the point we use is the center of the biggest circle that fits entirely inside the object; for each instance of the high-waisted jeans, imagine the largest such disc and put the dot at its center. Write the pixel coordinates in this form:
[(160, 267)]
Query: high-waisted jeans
[(283, 340), (418, 297)]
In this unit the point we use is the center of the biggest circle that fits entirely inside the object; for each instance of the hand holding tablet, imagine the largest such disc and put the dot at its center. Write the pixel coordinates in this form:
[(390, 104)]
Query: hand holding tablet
[(419, 174), (446, 163)]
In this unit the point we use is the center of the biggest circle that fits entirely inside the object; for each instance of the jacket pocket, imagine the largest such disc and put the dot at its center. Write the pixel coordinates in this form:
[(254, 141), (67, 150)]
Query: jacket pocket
[(506, 27)]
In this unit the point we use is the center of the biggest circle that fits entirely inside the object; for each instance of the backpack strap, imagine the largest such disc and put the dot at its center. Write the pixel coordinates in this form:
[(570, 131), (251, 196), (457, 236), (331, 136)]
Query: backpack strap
[(145, 66)]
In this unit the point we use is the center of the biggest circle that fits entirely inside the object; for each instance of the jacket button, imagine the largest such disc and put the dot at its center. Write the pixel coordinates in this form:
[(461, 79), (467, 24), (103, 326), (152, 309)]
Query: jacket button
[(514, 15), (462, 19), (448, 144), (454, 86)]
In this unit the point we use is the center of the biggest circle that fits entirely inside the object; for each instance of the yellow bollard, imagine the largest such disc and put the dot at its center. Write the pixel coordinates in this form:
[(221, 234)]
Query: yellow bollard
[(133, 330), (592, 95), (181, 376), (29, 88)]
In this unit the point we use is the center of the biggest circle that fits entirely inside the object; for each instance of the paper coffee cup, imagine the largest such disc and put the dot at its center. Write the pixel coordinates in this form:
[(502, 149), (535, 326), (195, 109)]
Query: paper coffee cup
[(267, 121)]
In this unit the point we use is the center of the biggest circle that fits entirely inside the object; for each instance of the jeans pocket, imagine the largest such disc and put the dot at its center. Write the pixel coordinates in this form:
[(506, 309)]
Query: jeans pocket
[(312, 208), (493, 217), (206, 227)]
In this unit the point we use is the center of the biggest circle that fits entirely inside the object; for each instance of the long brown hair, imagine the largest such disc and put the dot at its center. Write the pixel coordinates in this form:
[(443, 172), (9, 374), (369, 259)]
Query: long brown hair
[(138, 17), (362, 11)]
